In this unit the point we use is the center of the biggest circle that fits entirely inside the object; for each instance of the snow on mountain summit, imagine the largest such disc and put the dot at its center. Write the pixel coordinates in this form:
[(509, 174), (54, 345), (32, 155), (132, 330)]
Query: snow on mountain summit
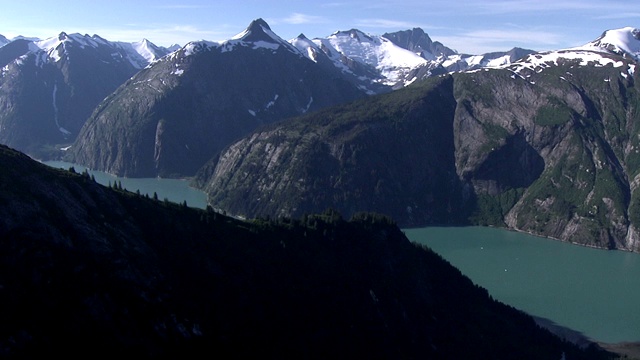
[(393, 62), (257, 35), (139, 54), (374, 50), (620, 41), (307, 47), (148, 50), (258, 30)]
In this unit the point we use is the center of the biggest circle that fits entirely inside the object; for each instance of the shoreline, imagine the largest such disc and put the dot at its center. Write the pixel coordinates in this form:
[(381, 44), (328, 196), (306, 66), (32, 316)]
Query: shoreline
[(525, 232)]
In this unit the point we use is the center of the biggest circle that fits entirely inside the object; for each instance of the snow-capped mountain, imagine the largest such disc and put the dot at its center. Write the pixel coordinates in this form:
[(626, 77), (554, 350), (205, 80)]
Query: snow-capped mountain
[(619, 48), (68, 75), (258, 35), (139, 54), (466, 62), (174, 115), (395, 60), (393, 63), (624, 41), (364, 75), (50, 87), (419, 42)]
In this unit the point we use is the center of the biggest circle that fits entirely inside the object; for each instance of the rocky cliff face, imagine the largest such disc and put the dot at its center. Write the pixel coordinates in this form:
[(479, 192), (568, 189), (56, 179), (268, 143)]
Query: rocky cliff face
[(350, 158), (419, 42), (547, 145)]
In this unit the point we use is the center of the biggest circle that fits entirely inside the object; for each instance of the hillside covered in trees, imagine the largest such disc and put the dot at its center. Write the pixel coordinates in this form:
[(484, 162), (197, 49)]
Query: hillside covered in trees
[(88, 270)]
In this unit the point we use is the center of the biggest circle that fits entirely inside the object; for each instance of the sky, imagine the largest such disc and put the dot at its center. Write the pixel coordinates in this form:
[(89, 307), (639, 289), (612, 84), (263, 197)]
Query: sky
[(471, 27)]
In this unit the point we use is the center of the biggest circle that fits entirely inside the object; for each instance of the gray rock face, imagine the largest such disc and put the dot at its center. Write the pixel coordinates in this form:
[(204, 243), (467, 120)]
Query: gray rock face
[(543, 147), (419, 42)]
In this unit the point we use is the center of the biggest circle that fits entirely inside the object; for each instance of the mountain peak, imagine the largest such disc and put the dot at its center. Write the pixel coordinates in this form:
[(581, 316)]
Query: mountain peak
[(259, 22), (354, 34), (623, 41), (258, 30)]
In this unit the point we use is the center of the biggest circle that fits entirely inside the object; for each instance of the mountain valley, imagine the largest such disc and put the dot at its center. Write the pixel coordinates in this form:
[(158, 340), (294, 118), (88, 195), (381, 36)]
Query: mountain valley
[(289, 139)]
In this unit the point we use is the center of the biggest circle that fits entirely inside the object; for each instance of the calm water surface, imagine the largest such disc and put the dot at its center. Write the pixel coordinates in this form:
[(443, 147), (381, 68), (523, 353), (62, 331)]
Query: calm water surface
[(596, 292), (173, 189)]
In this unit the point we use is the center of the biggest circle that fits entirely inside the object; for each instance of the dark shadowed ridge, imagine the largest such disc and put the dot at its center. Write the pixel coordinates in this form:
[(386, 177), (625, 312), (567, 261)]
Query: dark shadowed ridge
[(89, 270)]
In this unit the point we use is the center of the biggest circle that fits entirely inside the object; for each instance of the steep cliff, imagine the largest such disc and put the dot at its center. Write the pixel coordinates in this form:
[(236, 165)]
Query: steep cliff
[(391, 154), (547, 145)]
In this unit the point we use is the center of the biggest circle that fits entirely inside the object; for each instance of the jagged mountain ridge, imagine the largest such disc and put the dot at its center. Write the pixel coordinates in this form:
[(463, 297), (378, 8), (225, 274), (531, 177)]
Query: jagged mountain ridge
[(371, 64), (362, 63), (173, 116), (544, 145), (49, 87), (419, 42), (93, 270)]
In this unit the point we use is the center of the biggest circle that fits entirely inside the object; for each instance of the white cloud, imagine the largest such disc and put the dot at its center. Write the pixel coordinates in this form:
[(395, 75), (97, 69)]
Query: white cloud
[(298, 18), (384, 23)]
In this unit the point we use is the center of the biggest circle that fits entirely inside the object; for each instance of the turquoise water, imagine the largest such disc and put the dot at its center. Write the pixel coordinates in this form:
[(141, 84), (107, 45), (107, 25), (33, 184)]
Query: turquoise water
[(596, 292), (173, 189)]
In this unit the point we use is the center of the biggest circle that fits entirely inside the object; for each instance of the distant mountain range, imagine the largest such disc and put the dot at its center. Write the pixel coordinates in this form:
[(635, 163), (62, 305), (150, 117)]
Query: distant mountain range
[(253, 79), (48, 88), (536, 141), (40, 125)]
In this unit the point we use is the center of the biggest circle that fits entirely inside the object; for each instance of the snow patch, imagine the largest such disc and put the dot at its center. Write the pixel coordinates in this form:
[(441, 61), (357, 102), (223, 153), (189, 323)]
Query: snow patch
[(265, 45), (272, 102), (64, 131), (195, 47), (308, 105), (540, 61), (306, 47)]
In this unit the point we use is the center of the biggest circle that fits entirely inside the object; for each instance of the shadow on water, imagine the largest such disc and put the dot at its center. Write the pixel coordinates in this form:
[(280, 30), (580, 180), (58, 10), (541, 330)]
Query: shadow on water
[(563, 332), (627, 350)]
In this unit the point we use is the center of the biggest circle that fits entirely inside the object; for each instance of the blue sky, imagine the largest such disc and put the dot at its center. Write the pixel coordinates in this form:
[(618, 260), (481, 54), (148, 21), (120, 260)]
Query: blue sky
[(466, 26)]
